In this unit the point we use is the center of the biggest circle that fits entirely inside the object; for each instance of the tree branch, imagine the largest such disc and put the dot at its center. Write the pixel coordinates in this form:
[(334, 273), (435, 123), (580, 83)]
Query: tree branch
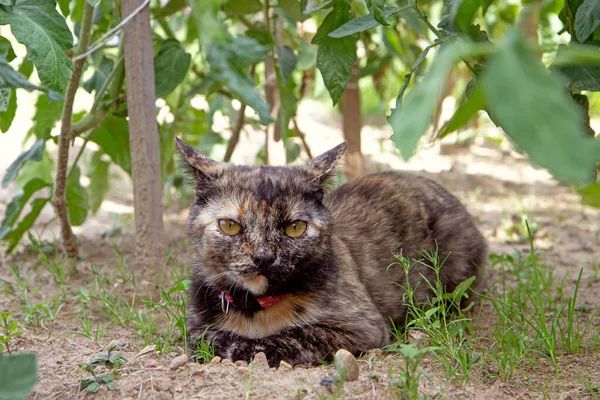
[(235, 134), (59, 200)]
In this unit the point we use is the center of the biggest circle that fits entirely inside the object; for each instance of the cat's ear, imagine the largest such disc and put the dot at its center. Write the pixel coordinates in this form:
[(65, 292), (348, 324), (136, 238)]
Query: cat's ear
[(202, 166), (323, 166)]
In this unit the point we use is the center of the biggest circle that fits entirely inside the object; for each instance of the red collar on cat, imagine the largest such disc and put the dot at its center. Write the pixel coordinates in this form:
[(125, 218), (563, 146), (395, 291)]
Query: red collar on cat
[(265, 301)]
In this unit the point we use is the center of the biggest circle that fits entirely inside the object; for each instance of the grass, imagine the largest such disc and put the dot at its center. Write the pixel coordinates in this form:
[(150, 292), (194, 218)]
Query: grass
[(538, 319)]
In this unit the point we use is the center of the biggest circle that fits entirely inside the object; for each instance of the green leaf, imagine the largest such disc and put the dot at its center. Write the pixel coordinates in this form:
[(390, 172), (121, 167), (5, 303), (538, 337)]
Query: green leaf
[(98, 181), (326, 4), (93, 2), (292, 152), (171, 65), (236, 8), (19, 373), (291, 8), (7, 117), (289, 104), (466, 111), (43, 169), (64, 7), (462, 13), (229, 64), (17, 80), (47, 113), (170, 8), (590, 194), (540, 118), (363, 23), (16, 205), (77, 199), (34, 153), (5, 95), (101, 72), (335, 57), (582, 77), (307, 56), (6, 50), (14, 236), (376, 8), (587, 19), (411, 119), (39, 26), (287, 61), (113, 138), (9, 3)]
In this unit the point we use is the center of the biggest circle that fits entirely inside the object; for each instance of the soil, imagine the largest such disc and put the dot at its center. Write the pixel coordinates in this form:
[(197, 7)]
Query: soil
[(497, 185)]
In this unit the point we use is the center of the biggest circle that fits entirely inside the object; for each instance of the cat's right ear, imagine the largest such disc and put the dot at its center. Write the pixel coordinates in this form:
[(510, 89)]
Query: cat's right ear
[(204, 168)]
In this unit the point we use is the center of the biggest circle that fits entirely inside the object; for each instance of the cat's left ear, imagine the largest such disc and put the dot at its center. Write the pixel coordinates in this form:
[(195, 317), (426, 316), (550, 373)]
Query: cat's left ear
[(323, 166), (203, 166)]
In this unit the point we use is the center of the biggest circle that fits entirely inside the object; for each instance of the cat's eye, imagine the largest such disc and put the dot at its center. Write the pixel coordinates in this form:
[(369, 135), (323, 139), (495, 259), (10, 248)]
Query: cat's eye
[(295, 229), (229, 226)]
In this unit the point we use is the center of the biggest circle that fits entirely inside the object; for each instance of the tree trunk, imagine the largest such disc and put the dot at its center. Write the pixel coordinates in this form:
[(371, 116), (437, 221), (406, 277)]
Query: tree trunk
[(143, 136), (352, 126)]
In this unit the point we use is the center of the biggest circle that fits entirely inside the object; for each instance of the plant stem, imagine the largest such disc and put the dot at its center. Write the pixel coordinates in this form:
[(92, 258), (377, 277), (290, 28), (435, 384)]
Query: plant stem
[(235, 134), (59, 200)]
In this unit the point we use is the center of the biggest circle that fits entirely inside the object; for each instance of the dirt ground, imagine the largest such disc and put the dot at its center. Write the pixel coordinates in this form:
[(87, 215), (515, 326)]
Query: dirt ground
[(497, 185)]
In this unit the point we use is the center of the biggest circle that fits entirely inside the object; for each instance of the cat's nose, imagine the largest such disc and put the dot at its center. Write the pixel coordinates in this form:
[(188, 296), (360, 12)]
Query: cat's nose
[(263, 259)]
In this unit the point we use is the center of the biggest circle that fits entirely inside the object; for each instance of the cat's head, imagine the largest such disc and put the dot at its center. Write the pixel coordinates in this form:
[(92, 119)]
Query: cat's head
[(260, 228)]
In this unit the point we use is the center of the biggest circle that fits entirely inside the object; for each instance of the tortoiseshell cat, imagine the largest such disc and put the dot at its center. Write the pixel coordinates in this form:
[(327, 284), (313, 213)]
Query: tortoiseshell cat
[(283, 268)]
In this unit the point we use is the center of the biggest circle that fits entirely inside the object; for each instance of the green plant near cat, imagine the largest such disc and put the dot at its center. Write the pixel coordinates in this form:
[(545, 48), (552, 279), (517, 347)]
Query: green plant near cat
[(173, 308), (410, 376), (532, 321), (9, 330), (109, 361), (440, 318), (204, 351)]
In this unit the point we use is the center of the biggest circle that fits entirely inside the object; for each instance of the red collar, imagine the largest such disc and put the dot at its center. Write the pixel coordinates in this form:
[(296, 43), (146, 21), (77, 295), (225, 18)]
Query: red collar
[(265, 301)]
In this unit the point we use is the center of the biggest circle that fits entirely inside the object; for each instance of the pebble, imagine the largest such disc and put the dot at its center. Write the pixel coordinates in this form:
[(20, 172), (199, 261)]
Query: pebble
[(178, 362), (241, 363), (493, 370), (415, 335), (260, 362), (216, 360), (151, 363), (226, 362), (118, 345), (285, 366), (346, 365)]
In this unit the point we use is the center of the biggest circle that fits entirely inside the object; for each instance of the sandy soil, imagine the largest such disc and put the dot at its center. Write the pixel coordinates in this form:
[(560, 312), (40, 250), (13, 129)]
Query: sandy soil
[(497, 185)]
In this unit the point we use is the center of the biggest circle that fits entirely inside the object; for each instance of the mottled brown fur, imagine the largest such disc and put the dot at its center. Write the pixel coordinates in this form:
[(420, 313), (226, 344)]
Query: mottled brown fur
[(341, 291)]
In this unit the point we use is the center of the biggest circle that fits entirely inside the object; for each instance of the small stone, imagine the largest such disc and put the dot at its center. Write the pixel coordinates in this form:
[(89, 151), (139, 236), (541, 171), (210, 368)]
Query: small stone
[(178, 362), (226, 362), (260, 362), (243, 371), (241, 363), (162, 384), (216, 360), (493, 370), (118, 345), (329, 382), (566, 396), (285, 366), (346, 365), (152, 363), (416, 335), (128, 398)]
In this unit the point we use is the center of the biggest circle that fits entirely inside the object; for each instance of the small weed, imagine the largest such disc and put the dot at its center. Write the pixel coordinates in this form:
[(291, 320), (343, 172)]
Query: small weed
[(88, 331), (10, 329), (108, 361), (408, 381), (173, 308), (204, 351)]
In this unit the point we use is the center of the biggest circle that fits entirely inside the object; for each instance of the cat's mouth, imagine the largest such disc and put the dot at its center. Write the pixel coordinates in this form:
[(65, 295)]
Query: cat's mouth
[(254, 282)]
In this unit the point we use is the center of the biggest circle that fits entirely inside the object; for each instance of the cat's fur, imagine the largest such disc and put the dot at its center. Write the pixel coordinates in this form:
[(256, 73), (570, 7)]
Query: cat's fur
[(341, 291)]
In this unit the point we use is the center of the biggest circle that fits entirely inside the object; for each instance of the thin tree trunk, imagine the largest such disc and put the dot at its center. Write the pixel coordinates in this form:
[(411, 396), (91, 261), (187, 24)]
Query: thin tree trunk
[(143, 136), (352, 126), (59, 200)]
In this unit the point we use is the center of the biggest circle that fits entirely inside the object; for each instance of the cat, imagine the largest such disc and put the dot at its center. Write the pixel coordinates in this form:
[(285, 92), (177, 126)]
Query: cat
[(285, 268)]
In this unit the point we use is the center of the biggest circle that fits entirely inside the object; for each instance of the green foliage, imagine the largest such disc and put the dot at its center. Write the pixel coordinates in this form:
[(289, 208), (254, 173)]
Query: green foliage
[(18, 373), (336, 55), (255, 52), (9, 329), (38, 25)]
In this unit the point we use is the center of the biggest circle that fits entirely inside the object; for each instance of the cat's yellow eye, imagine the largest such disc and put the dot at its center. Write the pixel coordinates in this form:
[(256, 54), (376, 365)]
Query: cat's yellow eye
[(295, 229), (229, 226)]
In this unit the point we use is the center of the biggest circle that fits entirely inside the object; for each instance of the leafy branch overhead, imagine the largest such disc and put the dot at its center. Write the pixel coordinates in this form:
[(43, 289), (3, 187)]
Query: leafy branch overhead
[(254, 61)]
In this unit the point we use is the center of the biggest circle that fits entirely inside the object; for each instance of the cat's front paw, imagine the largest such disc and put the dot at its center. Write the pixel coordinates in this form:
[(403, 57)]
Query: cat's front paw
[(244, 349)]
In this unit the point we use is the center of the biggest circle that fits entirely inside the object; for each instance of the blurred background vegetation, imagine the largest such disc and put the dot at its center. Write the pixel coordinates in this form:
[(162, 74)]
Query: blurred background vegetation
[(228, 68)]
